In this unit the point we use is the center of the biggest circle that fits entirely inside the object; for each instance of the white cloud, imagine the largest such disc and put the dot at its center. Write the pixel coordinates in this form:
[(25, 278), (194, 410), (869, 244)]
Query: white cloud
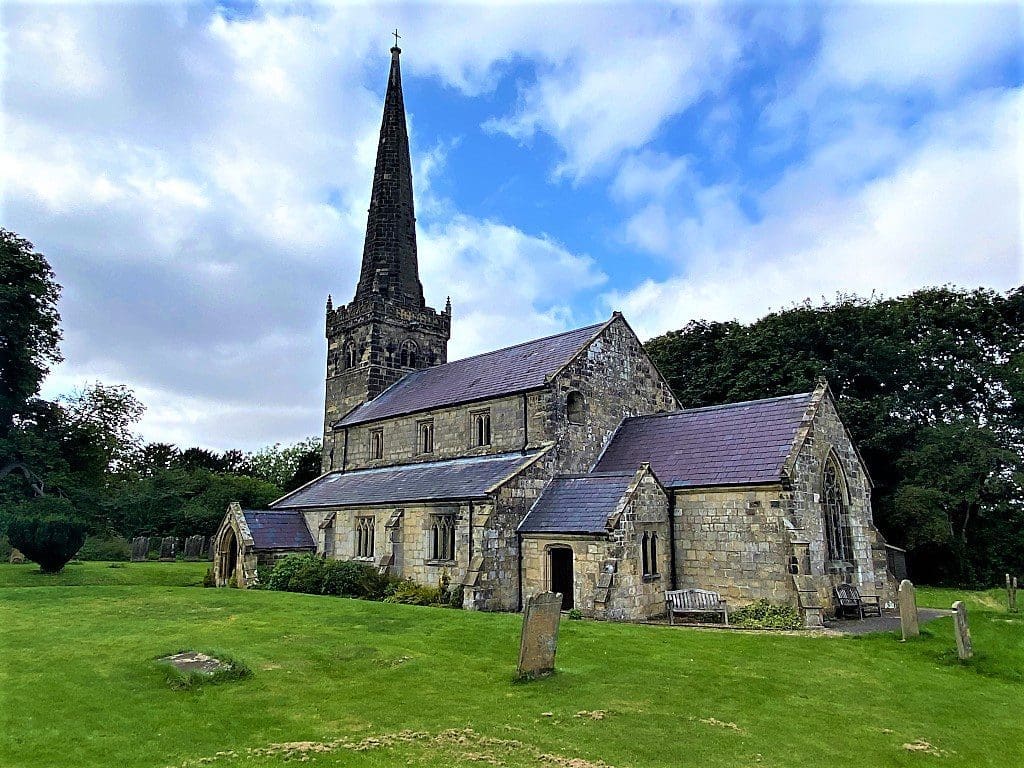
[(948, 212)]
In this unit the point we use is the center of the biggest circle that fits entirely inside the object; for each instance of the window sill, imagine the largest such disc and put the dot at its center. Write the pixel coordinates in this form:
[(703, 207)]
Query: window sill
[(441, 562), (652, 577)]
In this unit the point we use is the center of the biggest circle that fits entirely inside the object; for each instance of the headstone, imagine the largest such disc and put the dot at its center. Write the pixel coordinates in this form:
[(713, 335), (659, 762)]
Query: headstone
[(167, 551), (908, 610), (1011, 593), (539, 639), (17, 557), (964, 648), (211, 547), (193, 547), (140, 548), (155, 544)]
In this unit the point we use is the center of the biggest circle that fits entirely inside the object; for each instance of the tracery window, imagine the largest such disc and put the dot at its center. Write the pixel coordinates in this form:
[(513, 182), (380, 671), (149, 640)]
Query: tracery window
[(364, 537), (408, 354), (377, 444), (574, 407), (425, 438), (442, 537), (481, 424), (837, 517)]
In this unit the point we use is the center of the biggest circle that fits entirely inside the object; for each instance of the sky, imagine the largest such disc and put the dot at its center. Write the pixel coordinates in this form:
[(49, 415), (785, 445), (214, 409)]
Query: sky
[(198, 174)]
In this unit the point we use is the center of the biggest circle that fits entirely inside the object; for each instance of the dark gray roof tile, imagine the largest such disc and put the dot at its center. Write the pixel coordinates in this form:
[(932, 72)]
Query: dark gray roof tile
[(720, 445), (493, 374), (278, 530), (577, 504), (468, 478)]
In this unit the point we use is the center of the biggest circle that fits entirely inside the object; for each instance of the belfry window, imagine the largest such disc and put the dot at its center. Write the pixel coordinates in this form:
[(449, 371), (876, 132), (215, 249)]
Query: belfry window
[(350, 355), (574, 407), (480, 421), (364, 537), (377, 444), (442, 537), (409, 354), (425, 436), (837, 517)]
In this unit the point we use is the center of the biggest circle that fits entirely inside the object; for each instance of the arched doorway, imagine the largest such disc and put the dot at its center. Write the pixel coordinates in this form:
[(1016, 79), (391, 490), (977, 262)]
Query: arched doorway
[(228, 557), (560, 574)]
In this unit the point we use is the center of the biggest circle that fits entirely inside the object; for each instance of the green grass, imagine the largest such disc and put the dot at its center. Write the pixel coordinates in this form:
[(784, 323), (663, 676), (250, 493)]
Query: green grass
[(984, 600), (77, 574), (382, 685)]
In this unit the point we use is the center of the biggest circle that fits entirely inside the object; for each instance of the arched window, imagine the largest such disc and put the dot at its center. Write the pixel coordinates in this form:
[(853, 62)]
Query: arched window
[(364, 537), (837, 518), (644, 555), (409, 354), (350, 355), (574, 407), (654, 554), (425, 440), (481, 423), (649, 553)]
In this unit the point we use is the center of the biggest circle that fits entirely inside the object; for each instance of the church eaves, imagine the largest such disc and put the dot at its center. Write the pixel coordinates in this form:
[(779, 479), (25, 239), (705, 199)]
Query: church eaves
[(389, 266)]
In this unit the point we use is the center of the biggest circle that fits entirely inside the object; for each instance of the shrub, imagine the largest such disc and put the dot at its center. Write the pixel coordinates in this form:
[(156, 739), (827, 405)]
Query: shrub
[(208, 578), (46, 533), (764, 615), (105, 548), (5, 548), (298, 573), (346, 578), (575, 614), (411, 593)]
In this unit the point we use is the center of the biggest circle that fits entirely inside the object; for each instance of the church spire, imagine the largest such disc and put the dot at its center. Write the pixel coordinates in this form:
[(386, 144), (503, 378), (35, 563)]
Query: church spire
[(390, 266)]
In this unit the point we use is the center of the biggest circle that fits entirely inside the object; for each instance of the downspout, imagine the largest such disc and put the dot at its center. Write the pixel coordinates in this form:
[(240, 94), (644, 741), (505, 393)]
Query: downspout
[(344, 451), (672, 538), (470, 535), (519, 570), (526, 427)]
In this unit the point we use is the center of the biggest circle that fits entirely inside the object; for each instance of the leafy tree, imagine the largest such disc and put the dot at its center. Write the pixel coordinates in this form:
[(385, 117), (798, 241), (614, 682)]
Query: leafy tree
[(29, 325), (287, 466), (46, 532)]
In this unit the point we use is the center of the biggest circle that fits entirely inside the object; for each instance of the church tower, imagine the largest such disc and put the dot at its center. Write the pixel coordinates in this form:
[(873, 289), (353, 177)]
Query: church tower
[(387, 330)]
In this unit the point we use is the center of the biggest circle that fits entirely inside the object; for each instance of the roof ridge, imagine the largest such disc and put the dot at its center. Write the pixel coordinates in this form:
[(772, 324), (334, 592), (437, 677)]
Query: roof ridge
[(719, 407), (511, 346)]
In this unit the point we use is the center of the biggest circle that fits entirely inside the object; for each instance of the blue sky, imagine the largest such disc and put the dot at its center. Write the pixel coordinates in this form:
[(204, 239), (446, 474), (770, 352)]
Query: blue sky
[(198, 174)]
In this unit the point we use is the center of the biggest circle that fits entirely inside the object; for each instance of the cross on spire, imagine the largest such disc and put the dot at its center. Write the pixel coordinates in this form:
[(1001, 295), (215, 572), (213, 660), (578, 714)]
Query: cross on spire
[(396, 36)]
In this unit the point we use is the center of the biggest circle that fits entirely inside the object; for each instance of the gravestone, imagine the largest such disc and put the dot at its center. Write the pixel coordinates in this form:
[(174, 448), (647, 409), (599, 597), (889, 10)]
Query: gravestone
[(908, 610), (193, 547), (210, 547), (1011, 593), (155, 543), (167, 548), (539, 639), (17, 557), (964, 649), (140, 548)]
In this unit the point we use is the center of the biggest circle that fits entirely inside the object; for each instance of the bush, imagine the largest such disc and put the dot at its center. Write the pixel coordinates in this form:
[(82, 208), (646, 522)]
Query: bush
[(45, 532), (346, 578), (411, 593), (298, 573), (764, 615), (5, 548), (105, 548), (208, 578)]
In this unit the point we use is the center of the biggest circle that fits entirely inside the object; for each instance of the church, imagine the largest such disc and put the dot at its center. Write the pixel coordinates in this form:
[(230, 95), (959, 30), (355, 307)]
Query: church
[(563, 463)]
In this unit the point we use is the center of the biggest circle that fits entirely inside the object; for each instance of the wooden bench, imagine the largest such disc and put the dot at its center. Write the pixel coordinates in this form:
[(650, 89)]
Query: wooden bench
[(850, 600), (684, 601)]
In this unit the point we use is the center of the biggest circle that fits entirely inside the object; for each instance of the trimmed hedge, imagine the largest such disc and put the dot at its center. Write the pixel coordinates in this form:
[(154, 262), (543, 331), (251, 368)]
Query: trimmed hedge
[(46, 533)]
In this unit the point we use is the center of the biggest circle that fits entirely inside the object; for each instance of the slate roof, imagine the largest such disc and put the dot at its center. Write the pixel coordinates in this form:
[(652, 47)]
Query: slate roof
[(577, 504), (730, 444), (468, 478), (492, 374), (278, 530)]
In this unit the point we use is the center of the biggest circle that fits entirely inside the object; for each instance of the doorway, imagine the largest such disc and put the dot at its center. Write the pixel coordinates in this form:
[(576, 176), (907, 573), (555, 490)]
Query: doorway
[(560, 568), (228, 557)]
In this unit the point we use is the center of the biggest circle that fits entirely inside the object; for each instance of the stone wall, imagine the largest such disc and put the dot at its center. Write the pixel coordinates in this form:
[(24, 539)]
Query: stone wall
[(826, 436), (733, 541), (514, 424), (616, 379)]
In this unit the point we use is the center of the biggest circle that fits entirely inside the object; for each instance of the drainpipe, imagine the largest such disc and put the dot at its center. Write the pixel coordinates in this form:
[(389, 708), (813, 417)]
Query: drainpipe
[(519, 569), (344, 451), (672, 538), (526, 427), (470, 536)]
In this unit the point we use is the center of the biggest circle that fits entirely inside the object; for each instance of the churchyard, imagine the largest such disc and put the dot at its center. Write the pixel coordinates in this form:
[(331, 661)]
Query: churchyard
[(346, 682)]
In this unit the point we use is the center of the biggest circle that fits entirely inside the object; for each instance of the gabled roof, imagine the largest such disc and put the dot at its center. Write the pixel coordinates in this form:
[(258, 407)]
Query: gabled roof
[(734, 444), (278, 530), (469, 478), (492, 374), (580, 504)]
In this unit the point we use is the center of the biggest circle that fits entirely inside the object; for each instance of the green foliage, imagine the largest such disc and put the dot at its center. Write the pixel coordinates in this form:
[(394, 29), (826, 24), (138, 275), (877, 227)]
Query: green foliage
[(575, 614), (29, 327), (209, 580), (346, 578), (298, 573), (286, 466), (105, 548), (409, 592), (930, 386), (46, 533), (764, 615), (5, 545)]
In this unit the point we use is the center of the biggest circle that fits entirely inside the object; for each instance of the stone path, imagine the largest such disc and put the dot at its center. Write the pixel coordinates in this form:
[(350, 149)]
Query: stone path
[(884, 623)]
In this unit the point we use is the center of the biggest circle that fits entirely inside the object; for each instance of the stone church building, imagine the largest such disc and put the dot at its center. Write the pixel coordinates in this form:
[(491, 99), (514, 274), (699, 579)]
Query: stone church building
[(562, 463)]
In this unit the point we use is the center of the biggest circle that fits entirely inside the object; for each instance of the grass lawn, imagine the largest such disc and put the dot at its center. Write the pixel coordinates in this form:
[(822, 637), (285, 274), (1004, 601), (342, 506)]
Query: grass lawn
[(344, 682)]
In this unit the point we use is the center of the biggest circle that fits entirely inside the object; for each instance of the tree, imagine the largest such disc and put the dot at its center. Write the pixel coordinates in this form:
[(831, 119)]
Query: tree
[(46, 532), (29, 325), (287, 466)]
